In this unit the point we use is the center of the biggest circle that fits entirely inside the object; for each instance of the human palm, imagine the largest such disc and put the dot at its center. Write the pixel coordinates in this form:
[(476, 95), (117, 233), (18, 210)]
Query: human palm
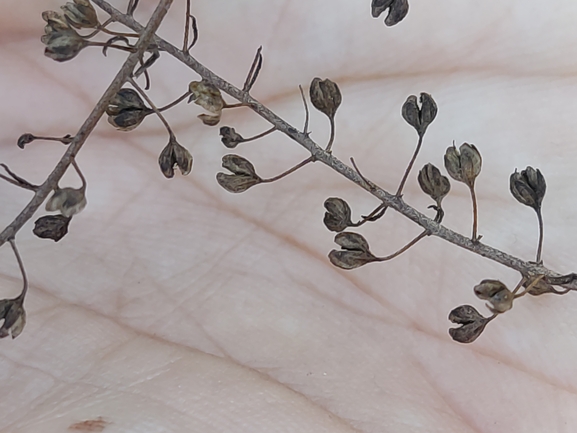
[(173, 305)]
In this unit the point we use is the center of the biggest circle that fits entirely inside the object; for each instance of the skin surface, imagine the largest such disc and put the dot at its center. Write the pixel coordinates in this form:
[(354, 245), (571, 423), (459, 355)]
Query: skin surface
[(174, 306)]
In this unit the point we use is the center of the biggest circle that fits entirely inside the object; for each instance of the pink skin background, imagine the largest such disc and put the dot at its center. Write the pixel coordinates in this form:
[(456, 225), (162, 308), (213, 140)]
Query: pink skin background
[(174, 306)]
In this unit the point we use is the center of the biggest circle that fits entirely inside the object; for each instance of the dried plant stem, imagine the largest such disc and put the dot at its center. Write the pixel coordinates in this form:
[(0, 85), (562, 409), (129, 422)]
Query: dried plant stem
[(262, 134), (540, 245), (290, 170), (174, 103), (405, 248), (475, 218), (22, 269), (410, 166), (319, 154), (89, 124), (332, 138)]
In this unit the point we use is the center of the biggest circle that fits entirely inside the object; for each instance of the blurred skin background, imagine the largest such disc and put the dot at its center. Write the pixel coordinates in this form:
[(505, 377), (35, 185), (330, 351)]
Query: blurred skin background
[(173, 305)]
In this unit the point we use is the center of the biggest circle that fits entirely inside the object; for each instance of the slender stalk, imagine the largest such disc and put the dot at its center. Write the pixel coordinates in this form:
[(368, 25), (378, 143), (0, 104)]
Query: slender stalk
[(474, 237), (411, 163), (22, 270), (104, 44), (240, 104), (75, 165), (262, 134), (540, 245), (332, 137), (405, 248), (176, 102), (290, 170)]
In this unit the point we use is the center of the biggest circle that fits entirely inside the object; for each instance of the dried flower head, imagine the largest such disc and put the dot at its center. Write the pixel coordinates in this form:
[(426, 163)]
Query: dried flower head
[(398, 10), (14, 315), (80, 14), (208, 97), (244, 174), (68, 201), (126, 110), (230, 138), (53, 227), (62, 42), (325, 96), (25, 139), (174, 155), (528, 187), (472, 323), (496, 293), (419, 118), (338, 214), (433, 183), (463, 165), (355, 251)]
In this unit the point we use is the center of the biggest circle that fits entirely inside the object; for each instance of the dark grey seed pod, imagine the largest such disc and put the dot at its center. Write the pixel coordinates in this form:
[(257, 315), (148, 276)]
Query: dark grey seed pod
[(398, 11), (67, 201), (419, 118), (126, 110), (62, 42), (325, 96), (379, 6), (25, 139), (350, 259), (433, 183), (338, 214), (230, 138), (528, 187), (352, 241), (236, 183), (174, 155), (472, 323), (80, 14), (496, 293), (463, 165), (53, 227), (14, 315), (244, 174)]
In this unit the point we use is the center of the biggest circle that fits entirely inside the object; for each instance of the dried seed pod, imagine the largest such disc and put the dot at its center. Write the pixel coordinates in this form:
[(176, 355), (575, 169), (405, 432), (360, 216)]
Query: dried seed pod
[(463, 165), (127, 110), (174, 155), (68, 201), (496, 293), (14, 315), (80, 14), (325, 96), (208, 97), (419, 118), (355, 251), (230, 138), (244, 174), (528, 187), (62, 42), (25, 139), (472, 323), (398, 10), (433, 183), (338, 214), (53, 227)]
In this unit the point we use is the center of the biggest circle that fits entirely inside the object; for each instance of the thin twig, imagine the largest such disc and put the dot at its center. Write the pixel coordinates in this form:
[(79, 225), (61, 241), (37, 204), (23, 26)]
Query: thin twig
[(474, 237), (405, 248), (89, 124), (410, 166), (254, 71), (289, 171), (540, 244), (307, 114), (262, 134), (178, 101), (22, 270)]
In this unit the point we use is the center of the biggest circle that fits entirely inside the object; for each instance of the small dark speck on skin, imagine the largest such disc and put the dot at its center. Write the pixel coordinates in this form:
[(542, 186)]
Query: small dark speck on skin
[(90, 425)]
